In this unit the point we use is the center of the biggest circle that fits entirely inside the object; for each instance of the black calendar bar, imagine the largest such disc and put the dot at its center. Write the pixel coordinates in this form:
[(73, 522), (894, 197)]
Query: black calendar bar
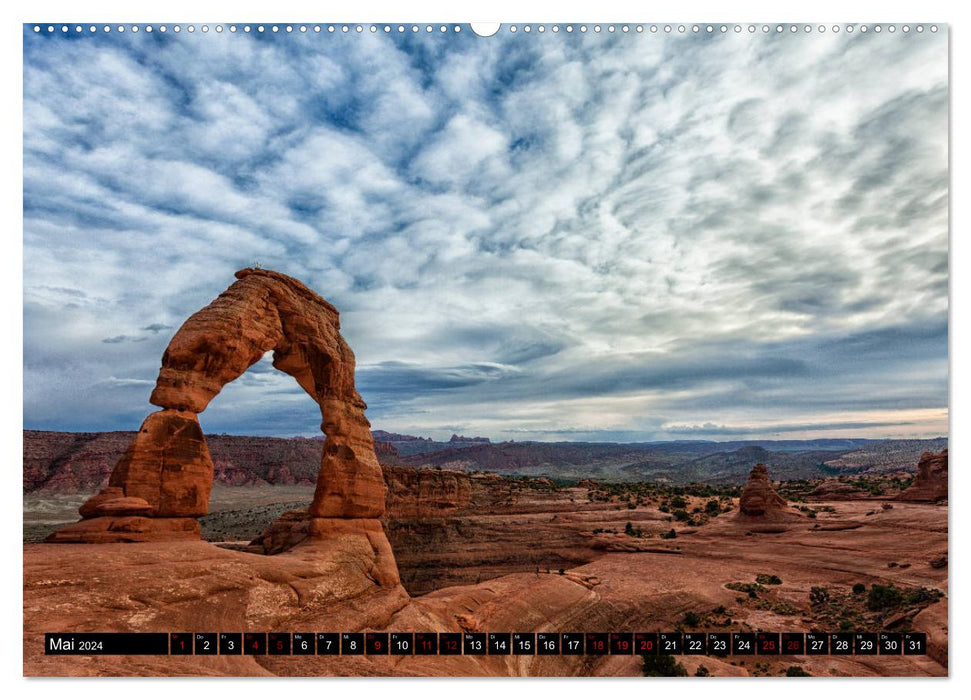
[(485, 643), (105, 643)]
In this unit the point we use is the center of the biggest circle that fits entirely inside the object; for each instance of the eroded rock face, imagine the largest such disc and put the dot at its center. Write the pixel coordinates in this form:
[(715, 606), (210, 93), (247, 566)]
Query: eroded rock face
[(167, 471), (758, 498), (427, 493), (167, 465), (931, 482)]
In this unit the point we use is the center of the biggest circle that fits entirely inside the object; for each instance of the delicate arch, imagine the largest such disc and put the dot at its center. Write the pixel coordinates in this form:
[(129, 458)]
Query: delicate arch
[(167, 470)]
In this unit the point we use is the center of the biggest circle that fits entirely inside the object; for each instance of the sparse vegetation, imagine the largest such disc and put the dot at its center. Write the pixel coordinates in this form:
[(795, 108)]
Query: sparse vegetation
[(662, 666), (768, 580), (753, 589), (883, 597), (818, 595)]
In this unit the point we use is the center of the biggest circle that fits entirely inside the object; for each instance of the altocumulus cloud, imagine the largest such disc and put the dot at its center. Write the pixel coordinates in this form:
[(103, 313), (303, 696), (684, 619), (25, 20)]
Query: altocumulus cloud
[(618, 236)]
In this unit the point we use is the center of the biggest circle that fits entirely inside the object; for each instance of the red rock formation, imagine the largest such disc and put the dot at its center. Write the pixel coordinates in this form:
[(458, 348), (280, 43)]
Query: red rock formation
[(758, 498), (167, 472), (427, 493), (835, 490), (931, 482)]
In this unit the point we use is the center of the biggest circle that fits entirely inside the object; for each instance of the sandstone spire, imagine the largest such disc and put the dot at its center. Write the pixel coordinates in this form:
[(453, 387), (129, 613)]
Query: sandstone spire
[(758, 498)]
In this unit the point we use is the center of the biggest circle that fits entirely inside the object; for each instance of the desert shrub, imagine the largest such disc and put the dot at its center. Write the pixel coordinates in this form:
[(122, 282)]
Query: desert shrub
[(692, 619), (846, 625), (922, 595), (681, 515), (713, 507), (818, 595), (669, 535), (720, 610), (796, 672), (662, 666), (768, 579), (859, 588), (751, 588), (702, 672), (883, 597), (629, 529), (663, 508), (678, 502)]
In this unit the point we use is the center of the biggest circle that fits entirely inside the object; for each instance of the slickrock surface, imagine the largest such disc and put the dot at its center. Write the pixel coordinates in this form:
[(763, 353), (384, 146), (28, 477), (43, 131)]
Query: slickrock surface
[(199, 586), (931, 482)]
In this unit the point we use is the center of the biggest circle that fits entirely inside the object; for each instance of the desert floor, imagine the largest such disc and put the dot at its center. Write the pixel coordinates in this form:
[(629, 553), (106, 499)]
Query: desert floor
[(200, 586)]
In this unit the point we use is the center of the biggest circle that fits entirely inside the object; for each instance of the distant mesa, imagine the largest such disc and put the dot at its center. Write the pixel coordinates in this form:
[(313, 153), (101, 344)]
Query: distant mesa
[(162, 483), (930, 485), (385, 436), (462, 438)]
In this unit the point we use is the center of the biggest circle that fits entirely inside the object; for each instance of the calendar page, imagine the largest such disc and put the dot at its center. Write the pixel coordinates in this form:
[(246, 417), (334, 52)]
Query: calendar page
[(543, 349)]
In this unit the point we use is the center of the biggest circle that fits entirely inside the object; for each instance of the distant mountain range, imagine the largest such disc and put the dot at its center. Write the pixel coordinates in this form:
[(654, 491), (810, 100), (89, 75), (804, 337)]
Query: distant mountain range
[(80, 462), (682, 461)]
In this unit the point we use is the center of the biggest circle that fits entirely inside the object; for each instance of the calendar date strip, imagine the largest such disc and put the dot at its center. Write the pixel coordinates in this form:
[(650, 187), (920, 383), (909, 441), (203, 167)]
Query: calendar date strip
[(485, 643)]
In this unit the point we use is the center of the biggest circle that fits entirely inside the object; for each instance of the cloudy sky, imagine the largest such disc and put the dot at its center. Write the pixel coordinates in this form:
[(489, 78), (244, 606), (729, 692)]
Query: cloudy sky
[(613, 237)]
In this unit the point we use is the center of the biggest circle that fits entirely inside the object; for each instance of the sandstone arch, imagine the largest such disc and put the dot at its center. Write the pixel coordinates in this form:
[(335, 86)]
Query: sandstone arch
[(162, 483)]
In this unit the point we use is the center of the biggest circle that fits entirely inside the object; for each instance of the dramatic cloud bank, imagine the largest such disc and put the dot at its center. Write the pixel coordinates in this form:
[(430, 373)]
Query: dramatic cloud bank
[(618, 237)]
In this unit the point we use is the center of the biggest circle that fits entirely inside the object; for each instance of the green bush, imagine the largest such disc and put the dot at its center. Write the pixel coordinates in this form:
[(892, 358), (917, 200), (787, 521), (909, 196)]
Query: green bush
[(662, 666), (753, 589), (702, 672), (678, 502), (669, 535), (796, 672), (681, 515), (859, 588), (818, 595), (713, 508), (768, 580), (922, 595), (692, 619), (883, 597)]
